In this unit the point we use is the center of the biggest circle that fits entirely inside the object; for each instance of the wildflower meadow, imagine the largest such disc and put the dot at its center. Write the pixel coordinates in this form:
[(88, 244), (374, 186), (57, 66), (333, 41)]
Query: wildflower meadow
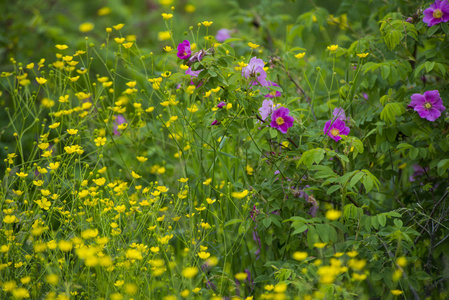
[(271, 149)]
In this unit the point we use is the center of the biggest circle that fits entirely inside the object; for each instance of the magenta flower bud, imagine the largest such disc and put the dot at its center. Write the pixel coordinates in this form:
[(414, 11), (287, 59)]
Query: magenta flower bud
[(184, 51), (221, 104), (215, 122)]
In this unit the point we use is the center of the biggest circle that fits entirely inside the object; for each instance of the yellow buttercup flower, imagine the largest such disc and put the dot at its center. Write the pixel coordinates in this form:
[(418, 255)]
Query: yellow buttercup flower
[(189, 272), (207, 23), (168, 49), (332, 48), (41, 80), (61, 47), (119, 40), (239, 195), (86, 27), (300, 55), (333, 214), (300, 255), (362, 55), (254, 46), (118, 26), (167, 16)]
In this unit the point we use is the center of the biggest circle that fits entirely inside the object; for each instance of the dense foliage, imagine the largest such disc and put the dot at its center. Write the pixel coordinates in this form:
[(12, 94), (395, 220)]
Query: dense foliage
[(282, 157)]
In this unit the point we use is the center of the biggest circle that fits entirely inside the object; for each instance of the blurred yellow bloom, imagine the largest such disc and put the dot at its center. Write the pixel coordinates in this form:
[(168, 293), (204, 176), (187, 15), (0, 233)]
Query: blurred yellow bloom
[(253, 46), (239, 195), (241, 276), (168, 48), (86, 27), (333, 214), (61, 47), (104, 11), (300, 55), (362, 55), (207, 23), (163, 35), (119, 40), (332, 47), (167, 16), (189, 272), (300, 255), (396, 292), (189, 8)]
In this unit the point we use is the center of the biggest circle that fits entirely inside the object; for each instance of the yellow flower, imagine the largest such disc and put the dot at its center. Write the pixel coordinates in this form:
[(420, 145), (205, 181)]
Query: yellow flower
[(86, 27), (142, 158), (30, 66), (65, 246), (210, 201), (280, 288), (239, 195), (189, 272), (189, 8), (300, 55), (167, 16), (269, 287), (168, 48), (119, 40), (100, 141), (184, 67), (20, 293), (332, 47), (300, 255), (203, 255), (72, 131), (352, 253), (396, 292), (61, 47), (118, 26), (43, 203), (41, 80), (104, 11), (163, 35), (362, 55), (207, 23), (241, 276), (54, 125), (54, 166), (333, 214), (128, 45), (249, 170), (22, 175), (207, 181), (254, 46), (119, 282), (401, 261), (10, 219), (135, 175), (319, 245)]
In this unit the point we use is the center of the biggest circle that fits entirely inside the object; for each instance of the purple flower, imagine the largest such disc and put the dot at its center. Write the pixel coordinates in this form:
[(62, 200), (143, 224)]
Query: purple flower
[(429, 105), (339, 113), (223, 34), (193, 73), (273, 93), (184, 50), (266, 109), (281, 120), (436, 13), (215, 122), (418, 172), (221, 104), (254, 70), (335, 129), (119, 120)]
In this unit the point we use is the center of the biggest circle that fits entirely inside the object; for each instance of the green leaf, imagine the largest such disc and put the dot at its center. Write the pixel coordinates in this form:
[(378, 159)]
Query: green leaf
[(413, 153), (391, 111), (312, 236), (356, 178), (385, 71), (442, 166), (382, 218), (233, 221), (429, 66), (432, 30), (230, 40), (300, 229), (323, 232), (332, 189)]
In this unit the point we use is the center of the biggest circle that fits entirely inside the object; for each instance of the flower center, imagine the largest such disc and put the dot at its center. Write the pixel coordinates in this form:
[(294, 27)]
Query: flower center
[(427, 105), (273, 93), (437, 13), (185, 53), (280, 121), (335, 132)]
